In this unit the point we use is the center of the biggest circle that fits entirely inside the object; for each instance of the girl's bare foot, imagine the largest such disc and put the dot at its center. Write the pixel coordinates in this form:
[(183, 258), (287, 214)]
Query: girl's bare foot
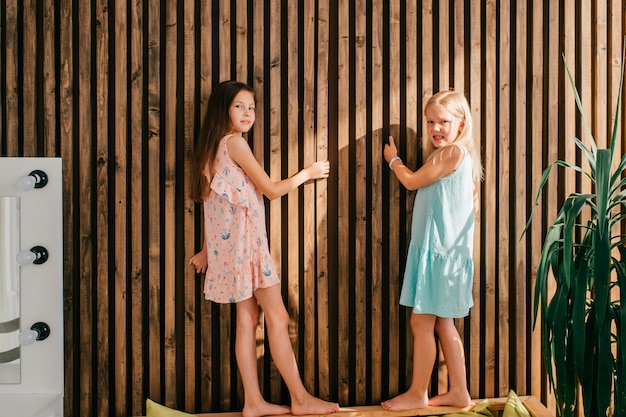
[(264, 409), (453, 399), (406, 401), (312, 405)]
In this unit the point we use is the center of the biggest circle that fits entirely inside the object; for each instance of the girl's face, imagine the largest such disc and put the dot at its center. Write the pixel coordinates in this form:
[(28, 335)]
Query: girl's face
[(241, 112), (442, 127)]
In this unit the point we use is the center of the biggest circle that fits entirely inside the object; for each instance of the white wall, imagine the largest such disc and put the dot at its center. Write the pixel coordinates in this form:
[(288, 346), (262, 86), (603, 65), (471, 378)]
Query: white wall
[(40, 391)]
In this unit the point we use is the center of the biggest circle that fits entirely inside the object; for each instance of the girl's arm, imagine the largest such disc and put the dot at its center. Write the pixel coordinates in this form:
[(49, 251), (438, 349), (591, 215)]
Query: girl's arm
[(239, 151), (430, 172)]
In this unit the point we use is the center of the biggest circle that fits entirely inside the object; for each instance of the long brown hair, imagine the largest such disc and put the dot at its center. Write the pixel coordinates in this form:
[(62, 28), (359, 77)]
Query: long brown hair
[(216, 124)]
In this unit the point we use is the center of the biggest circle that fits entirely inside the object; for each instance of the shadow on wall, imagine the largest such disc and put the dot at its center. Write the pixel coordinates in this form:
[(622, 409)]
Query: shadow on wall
[(347, 328)]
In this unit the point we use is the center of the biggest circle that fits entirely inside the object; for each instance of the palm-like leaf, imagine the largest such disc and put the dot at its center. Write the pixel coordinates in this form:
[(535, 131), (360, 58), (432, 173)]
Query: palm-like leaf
[(581, 325)]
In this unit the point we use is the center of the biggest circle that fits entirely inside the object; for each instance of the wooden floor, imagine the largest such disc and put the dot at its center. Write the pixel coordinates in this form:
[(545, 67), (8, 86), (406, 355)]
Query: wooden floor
[(532, 404)]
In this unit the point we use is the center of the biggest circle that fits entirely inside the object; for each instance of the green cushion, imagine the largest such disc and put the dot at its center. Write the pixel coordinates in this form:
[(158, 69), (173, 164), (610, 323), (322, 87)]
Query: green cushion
[(157, 410), (514, 407)]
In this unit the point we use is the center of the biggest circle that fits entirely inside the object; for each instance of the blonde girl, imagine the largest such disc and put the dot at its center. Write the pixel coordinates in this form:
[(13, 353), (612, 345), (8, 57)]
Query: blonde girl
[(437, 282)]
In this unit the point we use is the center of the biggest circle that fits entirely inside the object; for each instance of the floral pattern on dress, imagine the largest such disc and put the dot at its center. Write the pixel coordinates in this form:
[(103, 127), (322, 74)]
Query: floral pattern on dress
[(239, 261)]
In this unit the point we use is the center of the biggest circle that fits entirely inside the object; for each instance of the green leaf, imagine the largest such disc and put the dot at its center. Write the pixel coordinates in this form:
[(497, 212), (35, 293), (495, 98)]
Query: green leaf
[(580, 106)]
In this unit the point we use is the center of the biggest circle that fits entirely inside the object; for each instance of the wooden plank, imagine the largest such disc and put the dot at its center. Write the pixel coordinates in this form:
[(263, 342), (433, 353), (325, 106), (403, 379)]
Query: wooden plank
[(49, 145), (458, 83), (380, 387), (84, 180), (344, 266), (190, 294), (489, 294), (362, 215), (168, 251), (599, 68), (503, 195), (395, 211), (323, 319), (154, 358), (10, 74), (520, 137), (258, 146), (29, 78), (102, 221), (291, 247), (227, 362), (121, 204), (443, 36), (71, 287), (309, 149), (536, 117), (275, 227), (474, 95), (551, 147), (206, 330), (137, 271), (497, 405)]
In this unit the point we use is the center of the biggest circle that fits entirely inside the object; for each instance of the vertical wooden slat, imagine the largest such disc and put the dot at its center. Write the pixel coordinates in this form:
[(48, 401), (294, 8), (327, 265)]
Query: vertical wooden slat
[(309, 150), (458, 83), (190, 56), (226, 369), (136, 114), (206, 330), (321, 153), (395, 210), (474, 95), (600, 113), (154, 358), (380, 386), (102, 221), (362, 241), (536, 117), (520, 161), (67, 132), (10, 74), (490, 200), (503, 196), (258, 146), (275, 152), (121, 203), (29, 77), (291, 246), (169, 203), (443, 39), (554, 65), (48, 81), (86, 266), (343, 202)]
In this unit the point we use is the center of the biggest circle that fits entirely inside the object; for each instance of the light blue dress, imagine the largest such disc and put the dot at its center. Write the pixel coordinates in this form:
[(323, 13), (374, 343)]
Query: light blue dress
[(439, 268)]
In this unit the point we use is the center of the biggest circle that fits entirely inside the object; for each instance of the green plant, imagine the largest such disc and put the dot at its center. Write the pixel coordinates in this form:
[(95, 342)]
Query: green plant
[(584, 339)]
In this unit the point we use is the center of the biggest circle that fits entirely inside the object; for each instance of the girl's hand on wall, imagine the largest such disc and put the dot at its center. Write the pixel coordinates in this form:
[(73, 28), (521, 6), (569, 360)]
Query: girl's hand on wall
[(199, 261), (319, 169), (390, 150)]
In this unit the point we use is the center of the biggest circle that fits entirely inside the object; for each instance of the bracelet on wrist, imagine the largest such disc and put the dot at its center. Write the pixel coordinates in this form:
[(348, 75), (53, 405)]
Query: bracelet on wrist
[(394, 159)]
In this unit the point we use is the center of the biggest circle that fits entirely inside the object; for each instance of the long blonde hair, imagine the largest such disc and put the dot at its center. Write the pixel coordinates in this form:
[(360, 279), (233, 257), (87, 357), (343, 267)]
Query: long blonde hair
[(457, 105)]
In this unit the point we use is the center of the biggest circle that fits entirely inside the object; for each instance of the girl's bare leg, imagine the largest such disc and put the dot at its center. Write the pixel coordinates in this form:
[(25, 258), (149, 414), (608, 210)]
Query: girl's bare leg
[(452, 346), (277, 320), (424, 353), (245, 352)]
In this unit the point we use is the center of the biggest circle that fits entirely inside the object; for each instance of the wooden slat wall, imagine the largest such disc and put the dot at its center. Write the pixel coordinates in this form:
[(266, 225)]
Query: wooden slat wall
[(119, 88)]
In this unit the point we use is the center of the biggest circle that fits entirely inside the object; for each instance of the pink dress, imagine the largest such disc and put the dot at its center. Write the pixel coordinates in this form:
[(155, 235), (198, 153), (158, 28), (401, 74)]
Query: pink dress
[(239, 261)]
